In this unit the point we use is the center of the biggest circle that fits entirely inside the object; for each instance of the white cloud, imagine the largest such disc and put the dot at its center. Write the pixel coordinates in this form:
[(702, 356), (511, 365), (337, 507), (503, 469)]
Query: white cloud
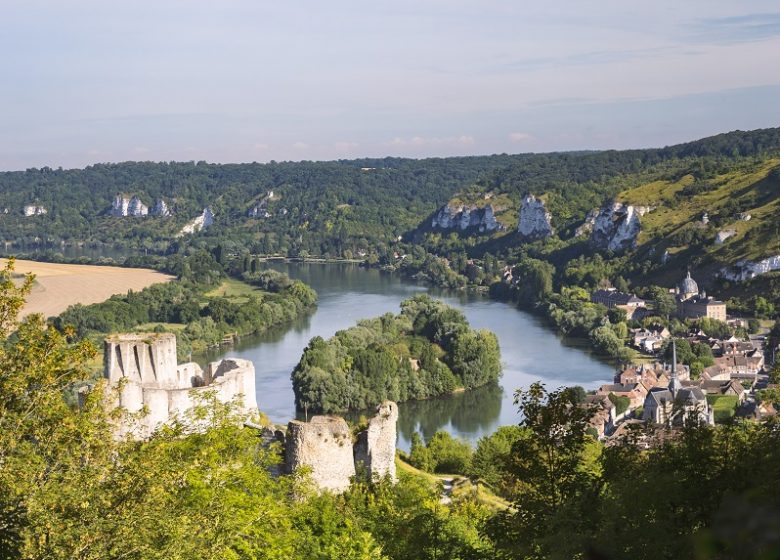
[(345, 146), (419, 141), (520, 137)]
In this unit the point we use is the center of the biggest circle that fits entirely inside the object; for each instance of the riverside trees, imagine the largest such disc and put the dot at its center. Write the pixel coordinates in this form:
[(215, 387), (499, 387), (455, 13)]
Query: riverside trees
[(425, 351)]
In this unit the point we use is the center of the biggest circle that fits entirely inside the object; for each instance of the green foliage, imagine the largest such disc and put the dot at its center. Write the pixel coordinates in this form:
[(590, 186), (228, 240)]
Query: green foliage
[(664, 303), (607, 342), (206, 316), (546, 466), (492, 454), (448, 454), (621, 403), (427, 350)]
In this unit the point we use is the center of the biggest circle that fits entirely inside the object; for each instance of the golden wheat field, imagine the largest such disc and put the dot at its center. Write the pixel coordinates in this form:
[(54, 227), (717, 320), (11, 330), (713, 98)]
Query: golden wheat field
[(58, 286)]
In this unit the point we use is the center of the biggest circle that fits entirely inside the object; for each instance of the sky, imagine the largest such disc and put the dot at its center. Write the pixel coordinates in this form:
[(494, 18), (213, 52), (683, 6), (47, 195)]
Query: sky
[(88, 81)]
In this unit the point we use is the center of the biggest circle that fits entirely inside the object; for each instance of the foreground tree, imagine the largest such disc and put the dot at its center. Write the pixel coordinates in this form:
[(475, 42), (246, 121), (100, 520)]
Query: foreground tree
[(547, 464), (68, 489)]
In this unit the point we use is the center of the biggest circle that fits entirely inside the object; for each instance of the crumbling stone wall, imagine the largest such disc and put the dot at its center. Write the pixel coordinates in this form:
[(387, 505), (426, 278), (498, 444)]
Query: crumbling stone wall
[(325, 445), (144, 370), (375, 446)]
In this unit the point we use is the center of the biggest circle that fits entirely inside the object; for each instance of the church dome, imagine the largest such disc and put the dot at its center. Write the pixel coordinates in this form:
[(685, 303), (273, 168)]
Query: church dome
[(689, 285)]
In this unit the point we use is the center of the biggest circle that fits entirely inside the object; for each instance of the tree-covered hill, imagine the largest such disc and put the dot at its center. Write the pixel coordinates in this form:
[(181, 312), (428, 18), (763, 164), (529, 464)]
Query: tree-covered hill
[(317, 206), (351, 208)]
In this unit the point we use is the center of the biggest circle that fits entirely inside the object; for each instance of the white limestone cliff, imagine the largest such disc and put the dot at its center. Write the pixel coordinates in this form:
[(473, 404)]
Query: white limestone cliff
[(123, 206), (745, 270), (34, 210), (535, 220), (615, 227), (200, 223), (723, 235), (161, 209), (466, 217)]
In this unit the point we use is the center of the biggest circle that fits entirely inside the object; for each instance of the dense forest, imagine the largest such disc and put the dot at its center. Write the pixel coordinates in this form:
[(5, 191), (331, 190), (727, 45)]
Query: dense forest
[(425, 351), (378, 210)]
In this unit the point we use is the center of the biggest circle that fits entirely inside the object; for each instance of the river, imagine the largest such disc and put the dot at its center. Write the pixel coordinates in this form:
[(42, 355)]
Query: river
[(530, 351)]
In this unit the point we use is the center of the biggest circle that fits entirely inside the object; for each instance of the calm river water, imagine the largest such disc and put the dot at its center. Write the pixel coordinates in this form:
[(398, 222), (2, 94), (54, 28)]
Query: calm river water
[(530, 351)]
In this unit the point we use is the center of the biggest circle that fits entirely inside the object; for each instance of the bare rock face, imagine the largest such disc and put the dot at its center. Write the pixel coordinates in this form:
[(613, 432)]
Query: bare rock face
[(123, 206), (161, 209), (723, 235), (375, 447), (141, 371), (616, 226), (200, 223), (34, 210), (745, 270), (325, 446), (535, 220), (466, 217)]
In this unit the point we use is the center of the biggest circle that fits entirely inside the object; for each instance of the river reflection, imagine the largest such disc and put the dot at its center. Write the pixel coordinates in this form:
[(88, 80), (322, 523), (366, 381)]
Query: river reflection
[(530, 351)]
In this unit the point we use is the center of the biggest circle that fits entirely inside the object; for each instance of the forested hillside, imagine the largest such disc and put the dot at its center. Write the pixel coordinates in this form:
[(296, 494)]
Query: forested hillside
[(358, 208), (318, 207)]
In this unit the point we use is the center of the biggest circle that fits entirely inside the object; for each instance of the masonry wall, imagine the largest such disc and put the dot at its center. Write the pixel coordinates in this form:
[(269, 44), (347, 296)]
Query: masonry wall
[(325, 445), (142, 372), (374, 451)]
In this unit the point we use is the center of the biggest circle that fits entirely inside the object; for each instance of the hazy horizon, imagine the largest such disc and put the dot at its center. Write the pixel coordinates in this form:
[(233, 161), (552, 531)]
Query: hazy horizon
[(188, 80)]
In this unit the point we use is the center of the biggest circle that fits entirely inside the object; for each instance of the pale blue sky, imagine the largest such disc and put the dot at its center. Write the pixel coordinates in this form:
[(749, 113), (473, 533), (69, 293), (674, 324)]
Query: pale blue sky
[(88, 81)]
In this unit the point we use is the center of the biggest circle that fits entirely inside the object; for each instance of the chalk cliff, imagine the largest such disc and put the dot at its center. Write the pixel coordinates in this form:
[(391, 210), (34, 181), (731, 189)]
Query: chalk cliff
[(745, 270), (465, 217), (535, 221), (161, 209), (200, 223), (614, 227), (123, 206)]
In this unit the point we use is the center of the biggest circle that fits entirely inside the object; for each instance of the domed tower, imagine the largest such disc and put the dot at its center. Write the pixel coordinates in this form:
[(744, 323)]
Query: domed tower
[(688, 287)]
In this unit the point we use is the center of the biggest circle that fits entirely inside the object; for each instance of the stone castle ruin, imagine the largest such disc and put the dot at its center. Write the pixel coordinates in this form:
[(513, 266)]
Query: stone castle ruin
[(325, 445), (142, 372), (143, 376)]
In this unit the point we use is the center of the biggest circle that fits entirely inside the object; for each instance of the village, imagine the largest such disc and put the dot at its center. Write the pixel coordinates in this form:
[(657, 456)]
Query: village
[(664, 391)]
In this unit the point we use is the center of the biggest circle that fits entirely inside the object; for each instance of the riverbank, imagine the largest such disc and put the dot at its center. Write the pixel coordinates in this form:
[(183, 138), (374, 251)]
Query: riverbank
[(204, 307)]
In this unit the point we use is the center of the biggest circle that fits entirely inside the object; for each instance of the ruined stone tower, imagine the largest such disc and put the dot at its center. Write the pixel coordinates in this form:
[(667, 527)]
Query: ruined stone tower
[(325, 445), (375, 446), (143, 368)]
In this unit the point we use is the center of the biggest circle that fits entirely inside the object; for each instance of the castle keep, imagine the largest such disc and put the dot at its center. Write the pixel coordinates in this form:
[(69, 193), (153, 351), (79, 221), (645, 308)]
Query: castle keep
[(143, 367), (326, 446)]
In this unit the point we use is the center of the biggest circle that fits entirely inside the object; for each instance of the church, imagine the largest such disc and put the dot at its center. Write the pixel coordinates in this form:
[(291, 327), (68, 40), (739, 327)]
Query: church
[(693, 304), (674, 404)]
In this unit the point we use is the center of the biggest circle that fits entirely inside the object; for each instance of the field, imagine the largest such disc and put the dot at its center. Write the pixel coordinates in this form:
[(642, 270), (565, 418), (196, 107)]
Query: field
[(58, 286)]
